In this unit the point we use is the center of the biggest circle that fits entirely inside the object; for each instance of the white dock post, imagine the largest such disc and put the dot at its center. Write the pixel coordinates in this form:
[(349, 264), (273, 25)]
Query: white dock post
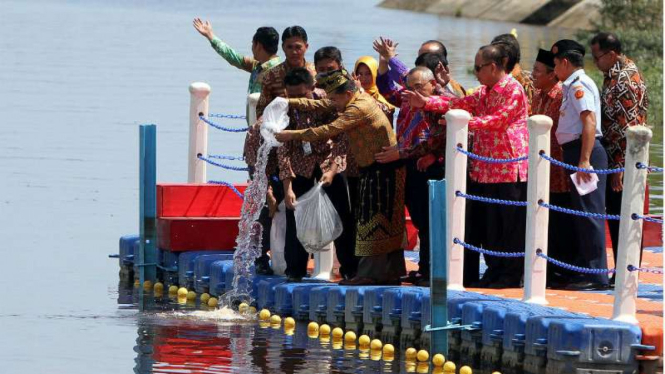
[(457, 134), (252, 100), (630, 230), (537, 217), (198, 132)]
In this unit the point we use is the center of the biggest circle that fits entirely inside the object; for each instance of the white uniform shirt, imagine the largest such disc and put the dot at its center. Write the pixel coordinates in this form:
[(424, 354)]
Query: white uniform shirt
[(579, 94)]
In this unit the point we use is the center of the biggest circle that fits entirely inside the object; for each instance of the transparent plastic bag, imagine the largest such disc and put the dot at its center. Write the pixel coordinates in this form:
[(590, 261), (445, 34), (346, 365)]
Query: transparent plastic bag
[(277, 239), (275, 119), (317, 221)]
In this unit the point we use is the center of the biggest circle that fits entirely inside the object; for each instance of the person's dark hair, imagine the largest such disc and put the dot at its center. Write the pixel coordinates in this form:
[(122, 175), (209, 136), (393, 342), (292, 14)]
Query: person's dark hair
[(576, 59), (298, 76), (332, 53), (512, 46), (294, 31), (607, 41), (431, 60), (268, 37), (442, 47), (493, 53)]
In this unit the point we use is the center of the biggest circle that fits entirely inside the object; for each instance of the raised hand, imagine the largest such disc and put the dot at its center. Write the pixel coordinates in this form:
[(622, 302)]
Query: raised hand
[(414, 98), (204, 28), (386, 48)]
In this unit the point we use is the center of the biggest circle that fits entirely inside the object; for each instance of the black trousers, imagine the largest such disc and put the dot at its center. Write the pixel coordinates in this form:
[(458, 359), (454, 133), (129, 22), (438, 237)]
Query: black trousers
[(589, 248), (560, 235), (264, 218), (416, 198), (613, 206), (295, 255), (504, 229), (497, 228)]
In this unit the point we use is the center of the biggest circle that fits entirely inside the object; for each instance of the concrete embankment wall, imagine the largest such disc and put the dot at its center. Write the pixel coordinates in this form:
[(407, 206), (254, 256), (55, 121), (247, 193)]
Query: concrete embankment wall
[(559, 13)]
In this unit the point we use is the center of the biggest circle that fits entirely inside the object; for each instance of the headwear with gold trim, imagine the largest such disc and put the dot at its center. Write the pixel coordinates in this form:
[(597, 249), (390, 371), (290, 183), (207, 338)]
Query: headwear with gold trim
[(330, 81)]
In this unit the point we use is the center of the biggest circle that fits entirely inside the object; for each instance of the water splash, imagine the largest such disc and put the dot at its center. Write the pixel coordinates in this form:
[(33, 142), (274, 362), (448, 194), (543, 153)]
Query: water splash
[(248, 242), (220, 315)]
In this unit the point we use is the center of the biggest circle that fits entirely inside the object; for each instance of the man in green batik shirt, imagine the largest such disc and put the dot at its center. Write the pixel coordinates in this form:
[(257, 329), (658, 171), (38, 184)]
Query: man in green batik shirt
[(264, 52)]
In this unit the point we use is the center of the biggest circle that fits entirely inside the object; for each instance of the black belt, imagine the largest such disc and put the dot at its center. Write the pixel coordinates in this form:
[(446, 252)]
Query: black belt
[(575, 143)]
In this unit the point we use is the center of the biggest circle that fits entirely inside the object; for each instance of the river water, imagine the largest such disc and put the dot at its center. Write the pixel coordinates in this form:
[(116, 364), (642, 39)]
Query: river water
[(76, 78)]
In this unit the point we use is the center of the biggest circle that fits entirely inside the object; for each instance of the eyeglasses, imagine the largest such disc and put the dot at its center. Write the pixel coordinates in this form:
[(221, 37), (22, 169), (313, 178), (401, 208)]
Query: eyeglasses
[(478, 68), (597, 58)]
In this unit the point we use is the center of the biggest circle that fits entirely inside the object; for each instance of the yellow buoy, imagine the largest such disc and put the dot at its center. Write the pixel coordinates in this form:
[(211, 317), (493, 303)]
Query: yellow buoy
[(264, 324), (350, 336), (438, 370), (337, 333), (363, 341), (182, 292), (324, 330), (422, 356), (191, 295), (465, 370), (205, 297), (159, 287), (449, 367), (275, 320), (147, 285), (264, 315), (375, 344), (375, 354), (173, 289), (438, 360), (252, 310), (289, 322), (410, 353), (243, 308), (136, 283), (212, 302), (389, 350)]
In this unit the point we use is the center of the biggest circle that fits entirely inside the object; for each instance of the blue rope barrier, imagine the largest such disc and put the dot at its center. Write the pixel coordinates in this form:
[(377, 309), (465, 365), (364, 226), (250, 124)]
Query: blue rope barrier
[(653, 169), (490, 200), (227, 167), (645, 270), (578, 212), (486, 251), (575, 168), (228, 116), (490, 159), (230, 158), (578, 269), (220, 127), (229, 185), (636, 216)]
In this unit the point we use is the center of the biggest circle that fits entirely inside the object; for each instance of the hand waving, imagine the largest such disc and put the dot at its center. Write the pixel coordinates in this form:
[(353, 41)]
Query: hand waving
[(204, 28)]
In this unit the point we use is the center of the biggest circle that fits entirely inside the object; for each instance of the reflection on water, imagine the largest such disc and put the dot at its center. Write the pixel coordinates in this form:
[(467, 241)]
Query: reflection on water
[(181, 338)]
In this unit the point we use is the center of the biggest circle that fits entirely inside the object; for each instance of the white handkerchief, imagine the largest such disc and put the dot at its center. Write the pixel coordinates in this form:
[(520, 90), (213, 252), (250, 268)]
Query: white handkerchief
[(584, 188)]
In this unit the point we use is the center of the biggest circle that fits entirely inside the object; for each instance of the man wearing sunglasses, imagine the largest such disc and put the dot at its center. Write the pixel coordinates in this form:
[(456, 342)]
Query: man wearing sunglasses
[(500, 110)]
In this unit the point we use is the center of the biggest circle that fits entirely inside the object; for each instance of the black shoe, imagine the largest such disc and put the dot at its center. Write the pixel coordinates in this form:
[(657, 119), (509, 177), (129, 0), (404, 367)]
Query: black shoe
[(291, 279), (264, 269), (412, 277), (587, 286), (422, 282)]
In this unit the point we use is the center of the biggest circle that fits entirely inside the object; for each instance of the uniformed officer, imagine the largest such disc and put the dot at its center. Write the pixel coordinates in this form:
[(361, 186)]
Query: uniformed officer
[(579, 135)]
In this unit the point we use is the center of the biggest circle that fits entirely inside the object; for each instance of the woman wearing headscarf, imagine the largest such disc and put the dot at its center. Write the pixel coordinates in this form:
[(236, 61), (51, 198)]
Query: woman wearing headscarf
[(365, 72)]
